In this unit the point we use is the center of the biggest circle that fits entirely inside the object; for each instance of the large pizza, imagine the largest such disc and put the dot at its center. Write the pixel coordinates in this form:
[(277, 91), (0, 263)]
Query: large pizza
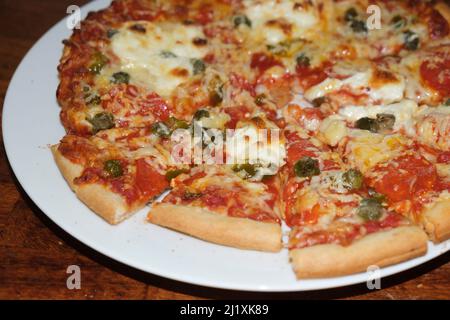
[(345, 103)]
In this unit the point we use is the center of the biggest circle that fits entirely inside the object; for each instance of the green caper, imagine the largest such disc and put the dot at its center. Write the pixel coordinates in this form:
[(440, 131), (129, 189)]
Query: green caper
[(167, 54), (120, 77), (317, 102), (367, 124), (201, 113), (279, 49), (99, 60), (161, 129), (113, 168), (370, 209), (241, 19), (303, 60), (358, 26), (307, 167), (385, 121), (411, 40), (353, 179), (350, 14), (398, 22), (381, 198), (93, 99), (259, 99), (198, 66), (245, 170), (101, 121), (171, 174), (216, 97)]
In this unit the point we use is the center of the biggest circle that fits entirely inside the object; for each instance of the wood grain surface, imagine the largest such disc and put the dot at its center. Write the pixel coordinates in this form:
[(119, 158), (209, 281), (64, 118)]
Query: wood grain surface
[(35, 253)]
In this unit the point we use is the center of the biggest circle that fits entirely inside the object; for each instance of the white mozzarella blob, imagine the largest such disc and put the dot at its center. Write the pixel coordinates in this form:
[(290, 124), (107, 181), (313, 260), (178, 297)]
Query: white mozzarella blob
[(269, 17), (403, 111), (160, 58)]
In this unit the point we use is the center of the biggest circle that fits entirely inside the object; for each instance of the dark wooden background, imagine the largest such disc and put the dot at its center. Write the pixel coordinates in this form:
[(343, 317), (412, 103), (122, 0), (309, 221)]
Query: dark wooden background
[(35, 253)]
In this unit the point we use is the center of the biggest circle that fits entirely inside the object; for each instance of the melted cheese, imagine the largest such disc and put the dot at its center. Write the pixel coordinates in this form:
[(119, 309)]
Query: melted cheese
[(275, 21), (433, 127), (265, 148), (360, 83), (160, 58), (333, 130), (403, 111), (366, 149)]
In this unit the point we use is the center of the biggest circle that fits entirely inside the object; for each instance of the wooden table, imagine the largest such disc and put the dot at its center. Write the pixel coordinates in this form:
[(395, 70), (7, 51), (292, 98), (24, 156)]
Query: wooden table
[(35, 253)]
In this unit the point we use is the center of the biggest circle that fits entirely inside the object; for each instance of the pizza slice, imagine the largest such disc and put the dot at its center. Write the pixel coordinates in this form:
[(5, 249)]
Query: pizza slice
[(411, 173), (218, 203), (115, 172), (339, 225)]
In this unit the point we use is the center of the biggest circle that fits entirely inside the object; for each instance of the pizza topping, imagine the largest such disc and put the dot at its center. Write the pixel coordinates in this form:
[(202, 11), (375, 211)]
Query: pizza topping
[(383, 122), (275, 21), (120, 77), (411, 39), (198, 66), (201, 113), (101, 121), (99, 60), (350, 14), (161, 129), (149, 181), (303, 61), (405, 178), (142, 55), (239, 20), (370, 209), (353, 84), (307, 167), (383, 118), (113, 168), (353, 179), (171, 174), (398, 22), (435, 73)]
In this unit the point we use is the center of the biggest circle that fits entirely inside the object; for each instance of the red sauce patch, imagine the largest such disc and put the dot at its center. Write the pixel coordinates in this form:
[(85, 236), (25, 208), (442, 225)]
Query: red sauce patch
[(435, 72)]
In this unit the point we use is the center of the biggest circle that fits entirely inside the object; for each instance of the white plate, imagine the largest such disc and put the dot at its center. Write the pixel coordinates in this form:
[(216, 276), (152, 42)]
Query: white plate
[(31, 123)]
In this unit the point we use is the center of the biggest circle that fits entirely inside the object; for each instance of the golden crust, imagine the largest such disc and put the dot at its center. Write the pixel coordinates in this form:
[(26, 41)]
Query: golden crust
[(107, 204), (234, 232), (436, 221), (380, 249)]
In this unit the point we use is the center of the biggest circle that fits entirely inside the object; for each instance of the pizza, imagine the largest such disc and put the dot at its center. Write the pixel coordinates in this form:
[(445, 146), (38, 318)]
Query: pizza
[(321, 127)]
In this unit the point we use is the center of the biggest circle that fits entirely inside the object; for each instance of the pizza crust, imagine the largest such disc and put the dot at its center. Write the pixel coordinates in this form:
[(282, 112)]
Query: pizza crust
[(107, 204), (380, 249), (436, 221), (229, 231)]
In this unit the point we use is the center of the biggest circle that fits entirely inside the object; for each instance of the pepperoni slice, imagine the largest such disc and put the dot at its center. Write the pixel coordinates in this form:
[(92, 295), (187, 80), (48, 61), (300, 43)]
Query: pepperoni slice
[(435, 72), (148, 180), (405, 177)]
